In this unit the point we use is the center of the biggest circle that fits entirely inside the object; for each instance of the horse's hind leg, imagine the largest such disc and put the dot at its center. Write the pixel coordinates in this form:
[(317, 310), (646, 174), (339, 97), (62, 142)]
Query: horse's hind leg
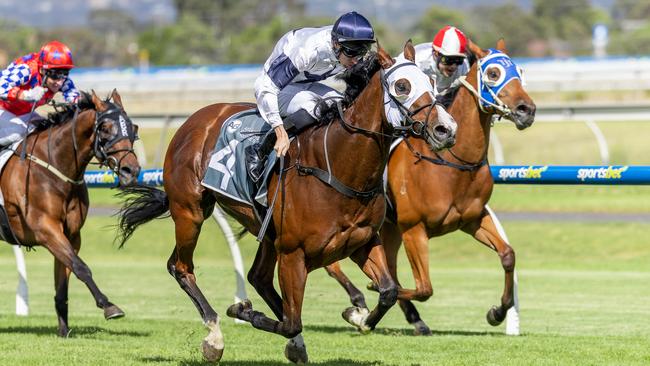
[(356, 296), (484, 230), (181, 266), (372, 260)]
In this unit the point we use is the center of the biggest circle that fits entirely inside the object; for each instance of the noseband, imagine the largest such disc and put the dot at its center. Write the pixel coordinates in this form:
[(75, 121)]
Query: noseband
[(102, 147)]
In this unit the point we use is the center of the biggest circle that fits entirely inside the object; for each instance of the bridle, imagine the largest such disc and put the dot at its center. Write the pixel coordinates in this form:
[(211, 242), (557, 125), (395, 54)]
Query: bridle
[(101, 147), (408, 125), (125, 130)]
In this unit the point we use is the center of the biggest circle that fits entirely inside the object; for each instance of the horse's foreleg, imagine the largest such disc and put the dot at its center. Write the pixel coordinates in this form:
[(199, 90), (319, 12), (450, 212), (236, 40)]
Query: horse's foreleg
[(292, 277), (260, 276), (372, 260), (50, 234), (391, 237), (484, 230), (181, 266), (61, 280), (416, 245), (356, 296)]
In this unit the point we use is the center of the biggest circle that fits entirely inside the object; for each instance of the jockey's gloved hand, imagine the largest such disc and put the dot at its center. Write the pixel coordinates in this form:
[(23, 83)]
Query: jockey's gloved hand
[(32, 95)]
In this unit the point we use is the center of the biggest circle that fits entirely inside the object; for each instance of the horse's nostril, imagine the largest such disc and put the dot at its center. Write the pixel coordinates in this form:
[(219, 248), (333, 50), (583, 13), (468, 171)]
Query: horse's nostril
[(441, 130), (525, 109), (125, 170)]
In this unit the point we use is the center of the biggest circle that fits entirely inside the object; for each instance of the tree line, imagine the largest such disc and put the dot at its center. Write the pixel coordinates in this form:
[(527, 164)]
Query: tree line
[(245, 31)]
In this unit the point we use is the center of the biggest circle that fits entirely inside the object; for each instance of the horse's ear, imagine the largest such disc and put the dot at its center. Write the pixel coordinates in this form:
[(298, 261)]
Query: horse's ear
[(117, 98), (384, 58), (99, 104), (501, 45), (476, 50), (409, 51)]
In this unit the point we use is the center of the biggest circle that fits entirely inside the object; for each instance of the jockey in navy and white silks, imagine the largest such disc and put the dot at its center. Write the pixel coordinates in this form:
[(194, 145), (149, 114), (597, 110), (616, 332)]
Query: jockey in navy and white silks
[(302, 58), (289, 86), (444, 59), (31, 81)]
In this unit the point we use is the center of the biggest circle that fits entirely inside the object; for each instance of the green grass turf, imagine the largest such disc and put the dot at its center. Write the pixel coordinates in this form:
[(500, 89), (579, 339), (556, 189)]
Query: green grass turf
[(583, 293)]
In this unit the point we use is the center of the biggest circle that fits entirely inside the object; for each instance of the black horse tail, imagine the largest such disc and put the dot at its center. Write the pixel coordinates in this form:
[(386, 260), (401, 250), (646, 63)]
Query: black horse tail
[(142, 204)]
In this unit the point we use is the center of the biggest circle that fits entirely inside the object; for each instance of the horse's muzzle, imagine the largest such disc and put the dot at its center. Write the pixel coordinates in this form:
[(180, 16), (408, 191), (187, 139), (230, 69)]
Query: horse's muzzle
[(524, 115), (128, 175)]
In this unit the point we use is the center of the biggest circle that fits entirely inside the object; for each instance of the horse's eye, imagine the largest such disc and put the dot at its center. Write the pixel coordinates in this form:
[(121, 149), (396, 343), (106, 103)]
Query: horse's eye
[(493, 74), (402, 87)]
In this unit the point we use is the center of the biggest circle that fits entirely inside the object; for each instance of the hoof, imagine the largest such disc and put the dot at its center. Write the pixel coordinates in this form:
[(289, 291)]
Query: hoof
[(372, 287), (493, 317), (235, 309), (421, 329), (296, 351), (211, 352), (357, 317), (213, 345), (113, 312), (63, 333)]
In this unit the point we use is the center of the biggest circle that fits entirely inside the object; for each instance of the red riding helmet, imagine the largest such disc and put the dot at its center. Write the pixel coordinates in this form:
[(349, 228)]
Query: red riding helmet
[(55, 55), (450, 41)]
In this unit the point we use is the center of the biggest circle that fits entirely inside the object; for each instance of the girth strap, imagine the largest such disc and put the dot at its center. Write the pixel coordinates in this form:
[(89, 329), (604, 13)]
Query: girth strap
[(331, 181)]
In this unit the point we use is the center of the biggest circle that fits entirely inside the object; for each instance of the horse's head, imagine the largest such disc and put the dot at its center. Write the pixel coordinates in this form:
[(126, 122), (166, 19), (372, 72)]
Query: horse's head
[(500, 85), (409, 100), (114, 137)]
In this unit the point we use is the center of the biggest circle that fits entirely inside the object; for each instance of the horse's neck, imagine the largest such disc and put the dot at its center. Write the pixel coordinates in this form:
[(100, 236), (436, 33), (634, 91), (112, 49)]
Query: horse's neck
[(358, 158), (62, 147), (473, 133)]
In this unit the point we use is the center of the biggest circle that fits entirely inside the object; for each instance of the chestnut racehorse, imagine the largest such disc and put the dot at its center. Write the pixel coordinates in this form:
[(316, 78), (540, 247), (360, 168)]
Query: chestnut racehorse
[(46, 198), (314, 223), (433, 195)]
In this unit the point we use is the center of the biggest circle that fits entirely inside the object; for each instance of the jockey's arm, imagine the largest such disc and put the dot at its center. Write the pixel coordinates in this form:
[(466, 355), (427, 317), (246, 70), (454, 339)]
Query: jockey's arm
[(11, 79), (70, 92), (279, 71)]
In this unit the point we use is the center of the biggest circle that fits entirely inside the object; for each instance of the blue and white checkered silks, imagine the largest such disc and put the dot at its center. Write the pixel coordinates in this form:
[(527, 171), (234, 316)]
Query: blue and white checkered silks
[(14, 75), (70, 92), (489, 89)]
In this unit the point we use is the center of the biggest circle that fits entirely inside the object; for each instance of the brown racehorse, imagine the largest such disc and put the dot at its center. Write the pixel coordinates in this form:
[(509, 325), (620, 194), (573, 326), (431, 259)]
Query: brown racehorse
[(435, 195), (338, 226), (45, 196)]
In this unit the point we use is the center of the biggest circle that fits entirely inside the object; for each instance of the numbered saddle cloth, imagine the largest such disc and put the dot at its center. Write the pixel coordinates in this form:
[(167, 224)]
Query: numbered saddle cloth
[(227, 171)]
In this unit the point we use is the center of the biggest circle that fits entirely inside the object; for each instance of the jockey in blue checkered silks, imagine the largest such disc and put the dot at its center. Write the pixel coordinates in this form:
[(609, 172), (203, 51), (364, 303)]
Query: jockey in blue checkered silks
[(31, 81), (289, 87)]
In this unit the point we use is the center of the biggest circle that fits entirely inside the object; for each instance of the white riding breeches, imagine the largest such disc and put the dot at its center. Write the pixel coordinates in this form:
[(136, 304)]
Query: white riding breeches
[(305, 96), (13, 128)]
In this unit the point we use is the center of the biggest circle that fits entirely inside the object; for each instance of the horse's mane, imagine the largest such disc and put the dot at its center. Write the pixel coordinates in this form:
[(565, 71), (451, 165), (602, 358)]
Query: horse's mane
[(356, 79), (64, 112)]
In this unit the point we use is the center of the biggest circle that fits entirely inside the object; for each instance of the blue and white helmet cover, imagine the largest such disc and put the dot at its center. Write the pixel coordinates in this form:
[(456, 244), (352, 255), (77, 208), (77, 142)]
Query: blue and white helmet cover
[(489, 89)]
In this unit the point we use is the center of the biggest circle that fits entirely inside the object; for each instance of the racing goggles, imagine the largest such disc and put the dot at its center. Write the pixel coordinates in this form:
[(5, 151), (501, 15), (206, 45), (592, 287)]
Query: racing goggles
[(355, 51), (452, 60), (57, 74)]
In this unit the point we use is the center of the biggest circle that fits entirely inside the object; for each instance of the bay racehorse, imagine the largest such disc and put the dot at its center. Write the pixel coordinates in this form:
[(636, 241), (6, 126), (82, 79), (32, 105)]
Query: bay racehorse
[(46, 198), (435, 194), (314, 223)]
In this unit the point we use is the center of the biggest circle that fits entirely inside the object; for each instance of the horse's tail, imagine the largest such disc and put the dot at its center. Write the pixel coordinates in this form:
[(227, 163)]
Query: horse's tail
[(142, 204)]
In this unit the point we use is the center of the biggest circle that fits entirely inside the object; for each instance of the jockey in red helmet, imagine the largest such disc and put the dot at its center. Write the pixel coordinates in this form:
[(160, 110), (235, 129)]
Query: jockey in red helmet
[(31, 81), (444, 59)]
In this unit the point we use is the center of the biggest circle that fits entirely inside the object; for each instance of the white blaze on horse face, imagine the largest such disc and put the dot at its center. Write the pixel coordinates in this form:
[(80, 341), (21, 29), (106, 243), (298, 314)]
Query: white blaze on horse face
[(420, 85), (445, 119)]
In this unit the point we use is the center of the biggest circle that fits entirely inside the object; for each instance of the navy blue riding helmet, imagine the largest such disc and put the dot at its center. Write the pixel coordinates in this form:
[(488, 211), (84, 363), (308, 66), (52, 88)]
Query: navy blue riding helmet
[(354, 33)]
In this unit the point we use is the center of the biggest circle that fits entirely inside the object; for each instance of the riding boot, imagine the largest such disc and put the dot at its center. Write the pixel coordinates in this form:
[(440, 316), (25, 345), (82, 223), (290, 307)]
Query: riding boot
[(257, 154)]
